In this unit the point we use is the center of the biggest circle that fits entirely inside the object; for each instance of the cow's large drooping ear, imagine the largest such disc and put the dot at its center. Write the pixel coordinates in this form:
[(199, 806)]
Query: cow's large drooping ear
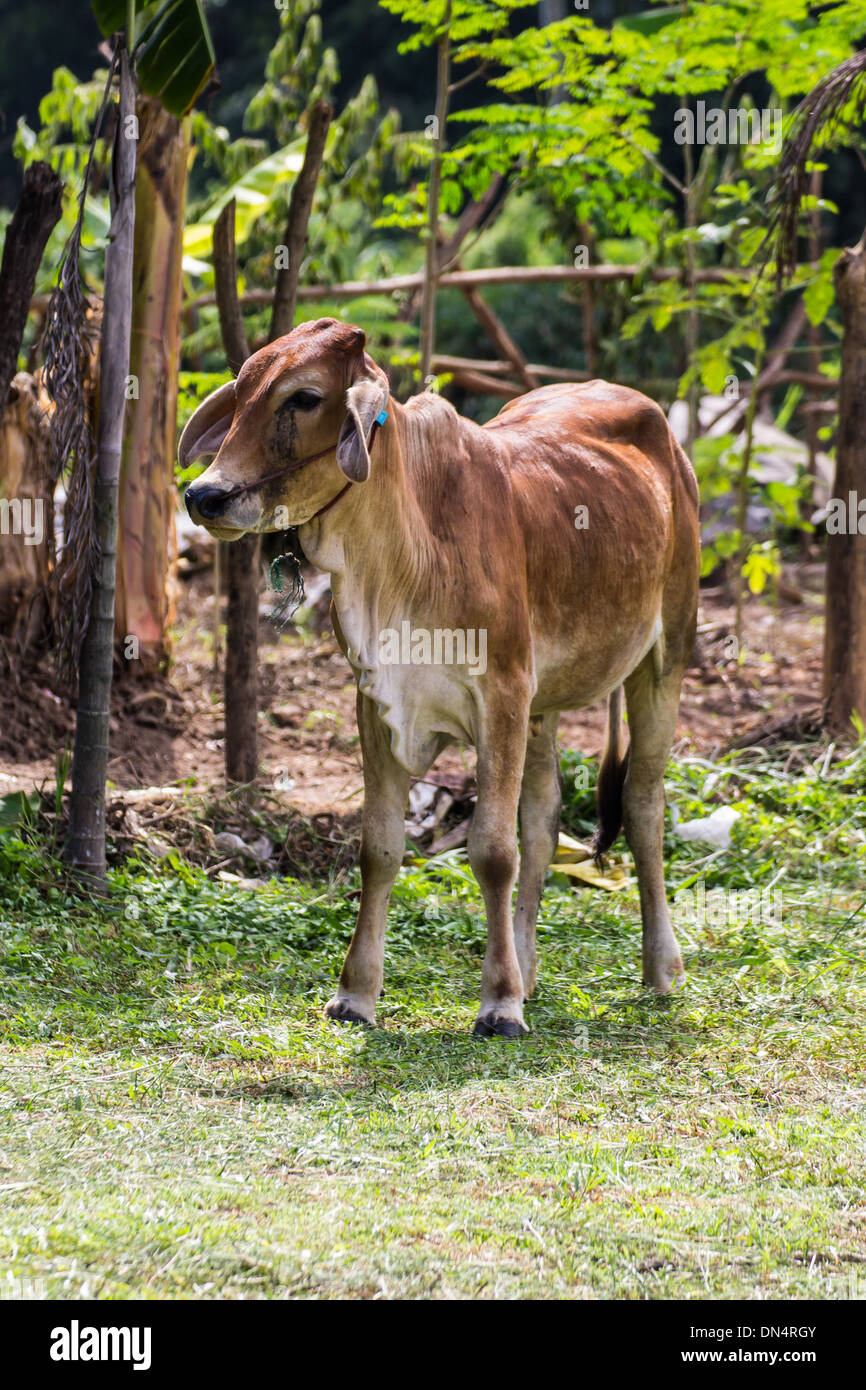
[(365, 400), (208, 425)]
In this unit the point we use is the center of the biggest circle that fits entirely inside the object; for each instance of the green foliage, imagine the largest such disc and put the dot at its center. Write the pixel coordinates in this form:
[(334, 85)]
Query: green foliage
[(575, 120), (254, 192), (763, 562), (299, 71), (819, 293), (801, 813), (573, 114), (17, 809), (579, 776), (66, 117), (231, 159), (463, 20)]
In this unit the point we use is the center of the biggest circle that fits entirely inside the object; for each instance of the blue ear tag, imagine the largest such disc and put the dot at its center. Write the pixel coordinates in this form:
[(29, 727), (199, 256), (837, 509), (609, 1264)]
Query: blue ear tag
[(381, 417)]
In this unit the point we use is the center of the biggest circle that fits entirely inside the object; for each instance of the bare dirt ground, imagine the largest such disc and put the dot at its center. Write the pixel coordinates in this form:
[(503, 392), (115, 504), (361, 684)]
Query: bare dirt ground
[(171, 731)]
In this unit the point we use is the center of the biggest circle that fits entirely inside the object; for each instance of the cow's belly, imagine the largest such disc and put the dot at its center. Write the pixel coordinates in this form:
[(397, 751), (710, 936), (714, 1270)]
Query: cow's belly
[(574, 671), (426, 692)]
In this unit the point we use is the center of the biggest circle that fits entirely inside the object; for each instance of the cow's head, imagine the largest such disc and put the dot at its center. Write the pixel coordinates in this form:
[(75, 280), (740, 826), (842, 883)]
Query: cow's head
[(312, 395)]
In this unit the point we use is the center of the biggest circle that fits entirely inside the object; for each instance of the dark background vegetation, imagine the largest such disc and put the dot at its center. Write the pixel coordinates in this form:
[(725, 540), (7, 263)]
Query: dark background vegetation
[(543, 318), (39, 38)]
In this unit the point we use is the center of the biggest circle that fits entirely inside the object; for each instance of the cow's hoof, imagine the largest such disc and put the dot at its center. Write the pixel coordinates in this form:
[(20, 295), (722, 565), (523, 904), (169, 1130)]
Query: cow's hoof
[(666, 982), (341, 1011), (492, 1027)]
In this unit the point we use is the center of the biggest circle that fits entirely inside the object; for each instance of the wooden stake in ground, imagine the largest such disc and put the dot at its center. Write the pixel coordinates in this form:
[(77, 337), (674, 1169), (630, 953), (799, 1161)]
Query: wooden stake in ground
[(86, 842)]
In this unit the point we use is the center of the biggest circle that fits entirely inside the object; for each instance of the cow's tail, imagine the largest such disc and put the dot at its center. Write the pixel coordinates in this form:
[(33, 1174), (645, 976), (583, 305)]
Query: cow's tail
[(611, 776)]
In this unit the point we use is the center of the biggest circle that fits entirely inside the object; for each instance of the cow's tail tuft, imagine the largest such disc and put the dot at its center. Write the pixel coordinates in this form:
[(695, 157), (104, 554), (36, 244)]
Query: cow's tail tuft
[(611, 776)]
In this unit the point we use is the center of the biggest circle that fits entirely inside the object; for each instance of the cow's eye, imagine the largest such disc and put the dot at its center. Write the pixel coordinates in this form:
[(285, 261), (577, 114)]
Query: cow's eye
[(302, 400)]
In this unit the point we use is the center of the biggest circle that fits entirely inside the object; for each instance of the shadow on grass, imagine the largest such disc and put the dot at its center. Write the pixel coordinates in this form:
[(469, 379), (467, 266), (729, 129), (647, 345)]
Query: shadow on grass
[(392, 1058)]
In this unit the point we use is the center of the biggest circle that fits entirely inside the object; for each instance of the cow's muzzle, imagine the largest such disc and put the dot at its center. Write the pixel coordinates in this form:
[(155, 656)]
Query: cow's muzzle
[(206, 503)]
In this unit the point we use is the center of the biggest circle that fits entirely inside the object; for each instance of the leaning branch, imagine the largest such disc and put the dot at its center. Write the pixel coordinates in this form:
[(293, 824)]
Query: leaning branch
[(500, 336)]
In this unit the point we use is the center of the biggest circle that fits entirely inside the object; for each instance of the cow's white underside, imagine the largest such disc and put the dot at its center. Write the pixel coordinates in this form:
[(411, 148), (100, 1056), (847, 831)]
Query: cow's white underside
[(425, 707)]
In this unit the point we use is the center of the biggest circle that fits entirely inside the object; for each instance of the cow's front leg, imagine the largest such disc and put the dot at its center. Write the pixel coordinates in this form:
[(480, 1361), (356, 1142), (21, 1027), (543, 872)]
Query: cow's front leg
[(493, 856), (386, 790)]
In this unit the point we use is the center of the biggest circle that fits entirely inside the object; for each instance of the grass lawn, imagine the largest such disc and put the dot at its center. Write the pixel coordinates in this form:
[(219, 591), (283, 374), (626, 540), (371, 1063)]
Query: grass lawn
[(179, 1121)]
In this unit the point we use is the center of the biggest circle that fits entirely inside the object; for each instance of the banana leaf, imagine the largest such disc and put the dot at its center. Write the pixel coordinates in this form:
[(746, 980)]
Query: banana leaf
[(174, 54), (252, 194)]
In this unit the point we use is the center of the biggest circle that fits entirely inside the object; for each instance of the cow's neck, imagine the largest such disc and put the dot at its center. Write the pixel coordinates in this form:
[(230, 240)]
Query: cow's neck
[(375, 537), (388, 565)]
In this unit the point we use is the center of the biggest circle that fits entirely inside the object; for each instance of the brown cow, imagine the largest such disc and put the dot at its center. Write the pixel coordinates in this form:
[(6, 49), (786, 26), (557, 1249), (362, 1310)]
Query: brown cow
[(484, 578)]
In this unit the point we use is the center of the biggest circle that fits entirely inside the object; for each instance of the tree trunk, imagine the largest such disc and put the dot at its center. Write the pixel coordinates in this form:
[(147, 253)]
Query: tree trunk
[(742, 494), (845, 606), (551, 12), (32, 222), (692, 326), (428, 304), (147, 488), (241, 557), (86, 843), (813, 363), (590, 332)]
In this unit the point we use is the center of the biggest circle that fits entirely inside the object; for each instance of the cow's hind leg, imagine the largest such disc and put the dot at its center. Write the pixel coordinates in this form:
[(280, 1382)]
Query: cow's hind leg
[(538, 816), (653, 699), (386, 790), (493, 856)]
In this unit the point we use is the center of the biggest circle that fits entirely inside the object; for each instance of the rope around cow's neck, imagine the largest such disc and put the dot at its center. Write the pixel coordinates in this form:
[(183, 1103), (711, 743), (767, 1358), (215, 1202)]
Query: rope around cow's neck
[(289, 603)]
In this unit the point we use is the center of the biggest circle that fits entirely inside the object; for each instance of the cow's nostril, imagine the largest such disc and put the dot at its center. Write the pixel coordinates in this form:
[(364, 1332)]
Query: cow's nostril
[(209, 502)]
